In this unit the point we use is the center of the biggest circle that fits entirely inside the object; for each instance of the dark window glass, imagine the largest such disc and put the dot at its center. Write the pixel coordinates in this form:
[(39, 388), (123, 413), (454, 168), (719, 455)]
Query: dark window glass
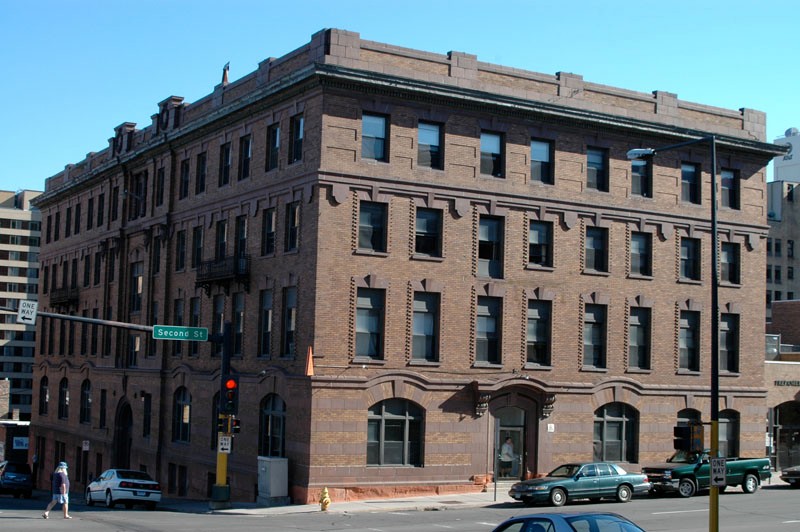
[(428, 237), (540, 243), (268, 232), (265, 323), (690, 183), (369, 323), (689, 341), (288, 342), (273, 146), (197, 246), (538, 333), (641, 178), (429, 145), (594, 336), (372, 226), (730, 189), (690, 258), (373, 137), (488, 333), (183, 185), (730, 263), (490, 247), (181, 415), (729, 343), (292, 226), (180, 250), (616, 432), (224, 164), (597, 169), (272, 426), (492, 154), (245, 154), (641, 254), (200, 175), (541, 161), (296, 133), (597, 249), (425, 343), (639, 338), (394, 434)]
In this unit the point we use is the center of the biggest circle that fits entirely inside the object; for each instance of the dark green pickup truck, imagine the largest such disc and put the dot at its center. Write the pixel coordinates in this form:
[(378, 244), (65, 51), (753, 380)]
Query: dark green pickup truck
[(688, 472)]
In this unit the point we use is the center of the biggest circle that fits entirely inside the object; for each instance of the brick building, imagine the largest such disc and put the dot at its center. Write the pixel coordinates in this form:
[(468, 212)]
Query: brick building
[(464, 246)]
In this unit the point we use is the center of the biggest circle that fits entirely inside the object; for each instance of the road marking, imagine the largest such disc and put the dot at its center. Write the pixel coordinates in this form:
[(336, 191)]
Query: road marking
[(679, 512), (444, 526), (789, 522), (487, 524)]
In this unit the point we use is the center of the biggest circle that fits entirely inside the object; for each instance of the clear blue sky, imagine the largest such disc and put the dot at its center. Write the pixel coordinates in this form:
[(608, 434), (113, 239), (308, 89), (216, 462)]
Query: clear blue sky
[(72, 70)]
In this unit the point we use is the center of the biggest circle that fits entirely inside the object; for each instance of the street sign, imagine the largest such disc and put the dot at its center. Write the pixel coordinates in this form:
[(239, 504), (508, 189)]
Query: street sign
[(224, 444), (174, 332), (86, 445), (26, 313), (718, 472)]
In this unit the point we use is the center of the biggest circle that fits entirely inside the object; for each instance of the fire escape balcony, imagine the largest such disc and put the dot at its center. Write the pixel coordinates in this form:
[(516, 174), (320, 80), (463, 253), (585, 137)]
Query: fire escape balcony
[(64, 296), (222, 272)]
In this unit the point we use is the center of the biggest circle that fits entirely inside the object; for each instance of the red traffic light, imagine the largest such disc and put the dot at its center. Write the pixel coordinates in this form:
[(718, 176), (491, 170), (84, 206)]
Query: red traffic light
[(231, 384)]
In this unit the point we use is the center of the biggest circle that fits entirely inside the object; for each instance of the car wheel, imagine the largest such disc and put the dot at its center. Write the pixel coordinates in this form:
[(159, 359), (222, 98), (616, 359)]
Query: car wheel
[(749, 483), (624, 493), (687, 487), (558, 497), (89, 500), (795, 485), (109, 500), (128, 505)]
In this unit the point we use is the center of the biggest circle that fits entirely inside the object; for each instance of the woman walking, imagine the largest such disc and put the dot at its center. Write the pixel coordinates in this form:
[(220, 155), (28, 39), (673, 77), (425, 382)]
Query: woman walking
[(60, 491)]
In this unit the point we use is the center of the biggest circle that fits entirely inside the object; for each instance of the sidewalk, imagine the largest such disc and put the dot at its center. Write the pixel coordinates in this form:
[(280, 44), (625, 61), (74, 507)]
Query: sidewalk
[(426, 503)]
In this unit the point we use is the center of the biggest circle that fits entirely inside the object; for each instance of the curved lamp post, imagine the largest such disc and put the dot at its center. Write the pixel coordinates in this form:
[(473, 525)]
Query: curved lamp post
[(646, 153)]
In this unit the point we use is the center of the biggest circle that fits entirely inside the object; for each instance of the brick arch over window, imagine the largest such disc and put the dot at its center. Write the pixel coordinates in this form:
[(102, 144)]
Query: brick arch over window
[(616, 433)]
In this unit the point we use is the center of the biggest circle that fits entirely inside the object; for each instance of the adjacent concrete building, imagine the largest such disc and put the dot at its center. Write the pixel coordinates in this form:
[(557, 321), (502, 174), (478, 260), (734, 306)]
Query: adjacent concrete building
[(421, 255)]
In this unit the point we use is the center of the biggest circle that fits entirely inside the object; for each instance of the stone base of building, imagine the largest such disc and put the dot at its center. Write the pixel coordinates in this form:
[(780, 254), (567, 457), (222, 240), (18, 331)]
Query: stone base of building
[(310, 495)]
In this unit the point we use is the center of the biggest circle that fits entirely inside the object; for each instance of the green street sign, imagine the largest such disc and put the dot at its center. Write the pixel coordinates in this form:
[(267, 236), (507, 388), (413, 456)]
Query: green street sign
[(174, 332)]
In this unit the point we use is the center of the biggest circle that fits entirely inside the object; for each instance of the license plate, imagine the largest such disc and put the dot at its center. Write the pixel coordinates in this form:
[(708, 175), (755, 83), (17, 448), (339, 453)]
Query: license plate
[(141, 493)]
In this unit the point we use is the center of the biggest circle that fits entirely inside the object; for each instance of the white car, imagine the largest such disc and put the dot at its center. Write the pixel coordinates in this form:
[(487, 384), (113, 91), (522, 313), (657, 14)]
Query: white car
[(124, 486)]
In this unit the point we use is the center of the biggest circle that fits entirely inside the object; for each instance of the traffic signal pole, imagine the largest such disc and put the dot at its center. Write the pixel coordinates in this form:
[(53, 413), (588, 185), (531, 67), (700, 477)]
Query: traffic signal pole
[(221, 491)]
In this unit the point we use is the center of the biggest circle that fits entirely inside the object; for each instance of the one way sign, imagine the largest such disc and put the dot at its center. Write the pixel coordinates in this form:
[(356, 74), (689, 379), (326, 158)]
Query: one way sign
[(26, 313)]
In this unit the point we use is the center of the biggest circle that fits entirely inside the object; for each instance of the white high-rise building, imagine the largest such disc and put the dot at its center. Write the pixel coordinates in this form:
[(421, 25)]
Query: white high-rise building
[(20, 236)]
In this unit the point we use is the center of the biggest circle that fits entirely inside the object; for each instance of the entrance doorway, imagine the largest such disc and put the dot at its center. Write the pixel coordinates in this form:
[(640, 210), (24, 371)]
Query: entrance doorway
[(510, 443), (123, 429), (786, 435)]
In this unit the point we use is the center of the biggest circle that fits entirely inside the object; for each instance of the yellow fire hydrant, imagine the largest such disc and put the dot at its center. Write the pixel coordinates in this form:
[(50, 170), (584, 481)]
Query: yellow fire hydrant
[(324, 500)]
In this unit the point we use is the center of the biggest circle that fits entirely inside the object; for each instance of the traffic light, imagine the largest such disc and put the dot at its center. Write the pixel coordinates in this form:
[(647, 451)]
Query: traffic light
[(236, 425), (682, 438), (696, 443), (230, 395), (222, 424)]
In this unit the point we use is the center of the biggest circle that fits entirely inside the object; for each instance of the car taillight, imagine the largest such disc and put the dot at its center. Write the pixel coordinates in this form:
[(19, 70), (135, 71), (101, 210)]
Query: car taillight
[(125, 484), (157, 487)]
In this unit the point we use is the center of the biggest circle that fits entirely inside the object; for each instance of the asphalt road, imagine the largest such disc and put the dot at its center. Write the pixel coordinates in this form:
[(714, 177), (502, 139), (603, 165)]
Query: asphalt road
[(772, 508)]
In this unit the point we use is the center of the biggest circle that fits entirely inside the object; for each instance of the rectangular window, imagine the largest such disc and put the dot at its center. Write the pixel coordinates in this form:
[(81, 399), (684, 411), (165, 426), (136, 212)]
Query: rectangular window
[(160, 186), (221, 241), (777, 247), (538, 334), (425, 343), (769, 273), (641, 254), (689, 341), (95, 335), (137, 286), (490, 247), (292, 226), (200, 173), (245, 154), (790, 249), (68, 223), (597, 169), (180, 250), (265, 323), (77, 228), (369, 323), (790, 274), (177, 319), (114, 205), (49, 228), (594, 336), (730, 263), (224, 165), (374, 132), (639, 338), (597, 249), (429, 145), (57, 231), (137, 199), (87, 269), (642, 178), (240, 244), (690, 183), (491, 154), (296, 133), (289, 322), (428, 236), (273, 146), (729, 189), (238, 323), (268, 231), (197, 246), (156, 255), (690, 259), (217, 320), (372, 226), (541, 161), (45, 279), (194, 321), (540, 243), (90, 214), (778, 278), (729, 343), (769, 247), (183, 186), (101, 205), (488, 333)]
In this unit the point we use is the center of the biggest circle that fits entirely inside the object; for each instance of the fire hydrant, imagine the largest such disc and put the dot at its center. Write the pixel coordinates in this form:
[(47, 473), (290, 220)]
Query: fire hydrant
[(324, 500)]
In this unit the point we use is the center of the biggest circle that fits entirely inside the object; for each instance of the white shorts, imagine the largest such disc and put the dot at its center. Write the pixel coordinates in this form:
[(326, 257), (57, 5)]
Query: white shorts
[(63, 499)]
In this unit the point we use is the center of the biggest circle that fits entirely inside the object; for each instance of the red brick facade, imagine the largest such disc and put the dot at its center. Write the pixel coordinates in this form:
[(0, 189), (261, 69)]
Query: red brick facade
[(329, 432)]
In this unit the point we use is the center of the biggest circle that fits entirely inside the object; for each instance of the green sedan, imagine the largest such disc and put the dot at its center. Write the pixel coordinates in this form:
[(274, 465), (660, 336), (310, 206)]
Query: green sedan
[(593, 480)]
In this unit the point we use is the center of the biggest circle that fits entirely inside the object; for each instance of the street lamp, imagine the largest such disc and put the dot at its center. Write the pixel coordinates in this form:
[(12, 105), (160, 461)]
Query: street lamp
[(645, 153)]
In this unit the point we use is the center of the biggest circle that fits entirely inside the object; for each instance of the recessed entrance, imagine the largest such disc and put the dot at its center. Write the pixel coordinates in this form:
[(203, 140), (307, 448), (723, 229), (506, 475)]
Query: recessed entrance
[(510, 442)]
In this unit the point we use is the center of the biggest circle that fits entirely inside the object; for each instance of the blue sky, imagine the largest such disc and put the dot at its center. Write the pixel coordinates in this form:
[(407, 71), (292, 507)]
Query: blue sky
[(74, 69)]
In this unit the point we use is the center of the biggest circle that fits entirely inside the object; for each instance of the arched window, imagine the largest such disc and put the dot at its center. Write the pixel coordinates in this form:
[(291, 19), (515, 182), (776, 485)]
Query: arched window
[(688, 415), (181, 415), (272, 426), (86, 402), (394, 433), (63, 399), (616, 433), (44, 396), (729, 433)]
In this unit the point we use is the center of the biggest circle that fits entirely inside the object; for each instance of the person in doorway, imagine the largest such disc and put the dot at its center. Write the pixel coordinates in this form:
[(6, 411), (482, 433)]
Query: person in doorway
[(60, 489), (506, 457)]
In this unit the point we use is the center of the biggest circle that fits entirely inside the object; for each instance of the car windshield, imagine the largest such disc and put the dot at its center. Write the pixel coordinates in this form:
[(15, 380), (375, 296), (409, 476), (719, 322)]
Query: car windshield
[(133, 475), (18, 468), (683, 457), (565, 471)]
